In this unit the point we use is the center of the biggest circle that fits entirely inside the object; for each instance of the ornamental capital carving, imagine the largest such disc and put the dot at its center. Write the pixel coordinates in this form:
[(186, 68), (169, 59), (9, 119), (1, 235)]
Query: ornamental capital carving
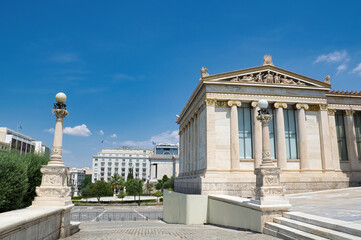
[(210, 102), (236, 103), (302, 105), (349, 112), (331, 111), (323, 107), (60, 113), (264, 118), (280, 105), (254, 104), (221, 104)]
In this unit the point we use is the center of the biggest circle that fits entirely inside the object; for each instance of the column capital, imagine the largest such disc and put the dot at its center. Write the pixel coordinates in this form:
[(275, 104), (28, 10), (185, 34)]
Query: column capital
[(323, 107), (233, 102), (331, 111), (280, 105), (349, 112), (210, 102), (60, 113), (254, 104), (302, 105)]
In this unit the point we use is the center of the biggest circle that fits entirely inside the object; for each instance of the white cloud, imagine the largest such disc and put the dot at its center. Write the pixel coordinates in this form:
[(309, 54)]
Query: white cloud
[(357, 69), (101, 132), (80, 130), (341, 68), (336, 56), (66, 58), (66, 151), (113, 135), (164, 137), (122, 76), (50, 130)]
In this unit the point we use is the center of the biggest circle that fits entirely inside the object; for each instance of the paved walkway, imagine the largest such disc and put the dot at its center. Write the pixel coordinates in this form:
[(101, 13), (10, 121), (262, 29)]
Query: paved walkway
[(343, 204), (159, 230)]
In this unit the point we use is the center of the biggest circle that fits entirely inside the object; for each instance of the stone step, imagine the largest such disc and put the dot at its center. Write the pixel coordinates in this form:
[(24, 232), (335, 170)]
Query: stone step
[(330, 223), (316, 230), (285, 232)]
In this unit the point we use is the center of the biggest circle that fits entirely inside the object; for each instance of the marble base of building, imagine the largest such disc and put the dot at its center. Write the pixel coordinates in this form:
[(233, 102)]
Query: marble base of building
[(234, 185)]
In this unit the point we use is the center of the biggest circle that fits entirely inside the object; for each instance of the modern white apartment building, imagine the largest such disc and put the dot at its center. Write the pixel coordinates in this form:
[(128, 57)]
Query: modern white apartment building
[(20, 142), (120, 160)]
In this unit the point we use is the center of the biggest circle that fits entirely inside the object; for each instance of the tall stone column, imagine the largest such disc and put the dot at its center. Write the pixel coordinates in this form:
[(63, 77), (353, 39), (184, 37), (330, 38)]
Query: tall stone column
[(181, 151), (280, 134), (333, 139), (257, 136), (326, 150), (53, 190), (302, 136), (234, 135), (268, 190), (210, 134), (351, 141)]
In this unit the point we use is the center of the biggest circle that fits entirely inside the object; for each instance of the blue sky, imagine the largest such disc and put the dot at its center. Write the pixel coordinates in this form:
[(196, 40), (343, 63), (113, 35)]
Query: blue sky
[(128, 67)]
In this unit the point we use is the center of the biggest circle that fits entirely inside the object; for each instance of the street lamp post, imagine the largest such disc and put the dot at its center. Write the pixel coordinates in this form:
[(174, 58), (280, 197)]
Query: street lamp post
[(54, 190), (268, 190)]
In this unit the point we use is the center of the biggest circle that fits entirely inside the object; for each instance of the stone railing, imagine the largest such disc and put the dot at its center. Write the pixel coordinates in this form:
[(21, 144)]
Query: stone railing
[(37, 223)]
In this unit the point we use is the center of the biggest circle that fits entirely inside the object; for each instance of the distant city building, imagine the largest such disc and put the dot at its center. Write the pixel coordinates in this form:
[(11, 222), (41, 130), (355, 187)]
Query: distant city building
[(20, 142), (119, 160), (164, 161), (75, 178)]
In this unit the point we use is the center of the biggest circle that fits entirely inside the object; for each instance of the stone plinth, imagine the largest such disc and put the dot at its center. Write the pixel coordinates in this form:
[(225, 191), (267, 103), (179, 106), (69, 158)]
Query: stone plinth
[(53, 190)]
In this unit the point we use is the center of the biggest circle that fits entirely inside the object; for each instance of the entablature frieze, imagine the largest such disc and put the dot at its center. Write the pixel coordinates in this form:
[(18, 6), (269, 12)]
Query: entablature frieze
[(270, 98), (344, 107)]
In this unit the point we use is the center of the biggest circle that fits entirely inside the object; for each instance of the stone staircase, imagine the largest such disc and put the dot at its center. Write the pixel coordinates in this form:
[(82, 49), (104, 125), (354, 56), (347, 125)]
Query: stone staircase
[(298, 225)]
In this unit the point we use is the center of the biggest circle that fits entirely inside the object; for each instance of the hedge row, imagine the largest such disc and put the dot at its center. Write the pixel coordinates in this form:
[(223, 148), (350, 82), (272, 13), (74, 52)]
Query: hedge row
[(19, 176)]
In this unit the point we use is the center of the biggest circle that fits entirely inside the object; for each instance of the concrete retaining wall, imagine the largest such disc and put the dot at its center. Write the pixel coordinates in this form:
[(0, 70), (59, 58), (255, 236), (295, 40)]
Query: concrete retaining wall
[(184, 208)]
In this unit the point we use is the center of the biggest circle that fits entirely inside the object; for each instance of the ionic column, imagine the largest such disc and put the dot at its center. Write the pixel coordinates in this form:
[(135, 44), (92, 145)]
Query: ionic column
[(257, 136), (351, 141), (333, 139), (234, 134), (189, 147), (325, 139), (181, 150), (302, 136), (210, 134), (280, 134)]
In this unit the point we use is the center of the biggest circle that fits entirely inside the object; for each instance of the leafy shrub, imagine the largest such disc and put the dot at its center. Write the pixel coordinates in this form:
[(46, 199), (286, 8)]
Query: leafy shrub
[(13, 181), (19, 176)]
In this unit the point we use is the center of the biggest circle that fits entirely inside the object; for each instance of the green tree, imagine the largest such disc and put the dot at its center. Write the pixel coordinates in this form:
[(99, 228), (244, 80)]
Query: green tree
[(169, 184), (87, 180), (86, 192), (13, 180), (130, 174), (34, 163), (116, 183), (101, 189), (121, 196), (161, 182), (133, 187), (158, 194)]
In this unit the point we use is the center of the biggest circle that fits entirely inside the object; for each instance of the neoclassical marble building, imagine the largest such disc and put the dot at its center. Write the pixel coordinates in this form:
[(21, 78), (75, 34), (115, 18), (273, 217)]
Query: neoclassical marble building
[(315, 132)]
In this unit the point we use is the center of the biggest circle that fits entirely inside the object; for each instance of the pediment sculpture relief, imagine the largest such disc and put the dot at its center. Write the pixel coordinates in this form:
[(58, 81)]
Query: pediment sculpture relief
[(268, 77)]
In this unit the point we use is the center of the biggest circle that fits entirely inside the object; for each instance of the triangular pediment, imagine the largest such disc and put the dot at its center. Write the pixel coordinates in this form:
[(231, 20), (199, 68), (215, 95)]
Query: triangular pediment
[(267, 75)]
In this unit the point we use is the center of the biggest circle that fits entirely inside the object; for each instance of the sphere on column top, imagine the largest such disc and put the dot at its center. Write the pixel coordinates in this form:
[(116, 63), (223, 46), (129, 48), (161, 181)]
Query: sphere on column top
[(60, 97), (263, 103)]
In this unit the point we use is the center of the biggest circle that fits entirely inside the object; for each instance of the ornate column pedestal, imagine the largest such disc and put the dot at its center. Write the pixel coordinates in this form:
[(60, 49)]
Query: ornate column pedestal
[(54, 191), (268, 190)]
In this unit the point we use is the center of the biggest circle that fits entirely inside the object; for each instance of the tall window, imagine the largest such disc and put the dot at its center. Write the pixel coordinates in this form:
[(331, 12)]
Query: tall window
[(245, 132), (357, 118), (290, 133), (341, 136)]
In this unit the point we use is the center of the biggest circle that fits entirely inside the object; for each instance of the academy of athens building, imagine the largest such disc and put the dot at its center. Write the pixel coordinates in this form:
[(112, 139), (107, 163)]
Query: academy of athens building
[(315, 133)]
